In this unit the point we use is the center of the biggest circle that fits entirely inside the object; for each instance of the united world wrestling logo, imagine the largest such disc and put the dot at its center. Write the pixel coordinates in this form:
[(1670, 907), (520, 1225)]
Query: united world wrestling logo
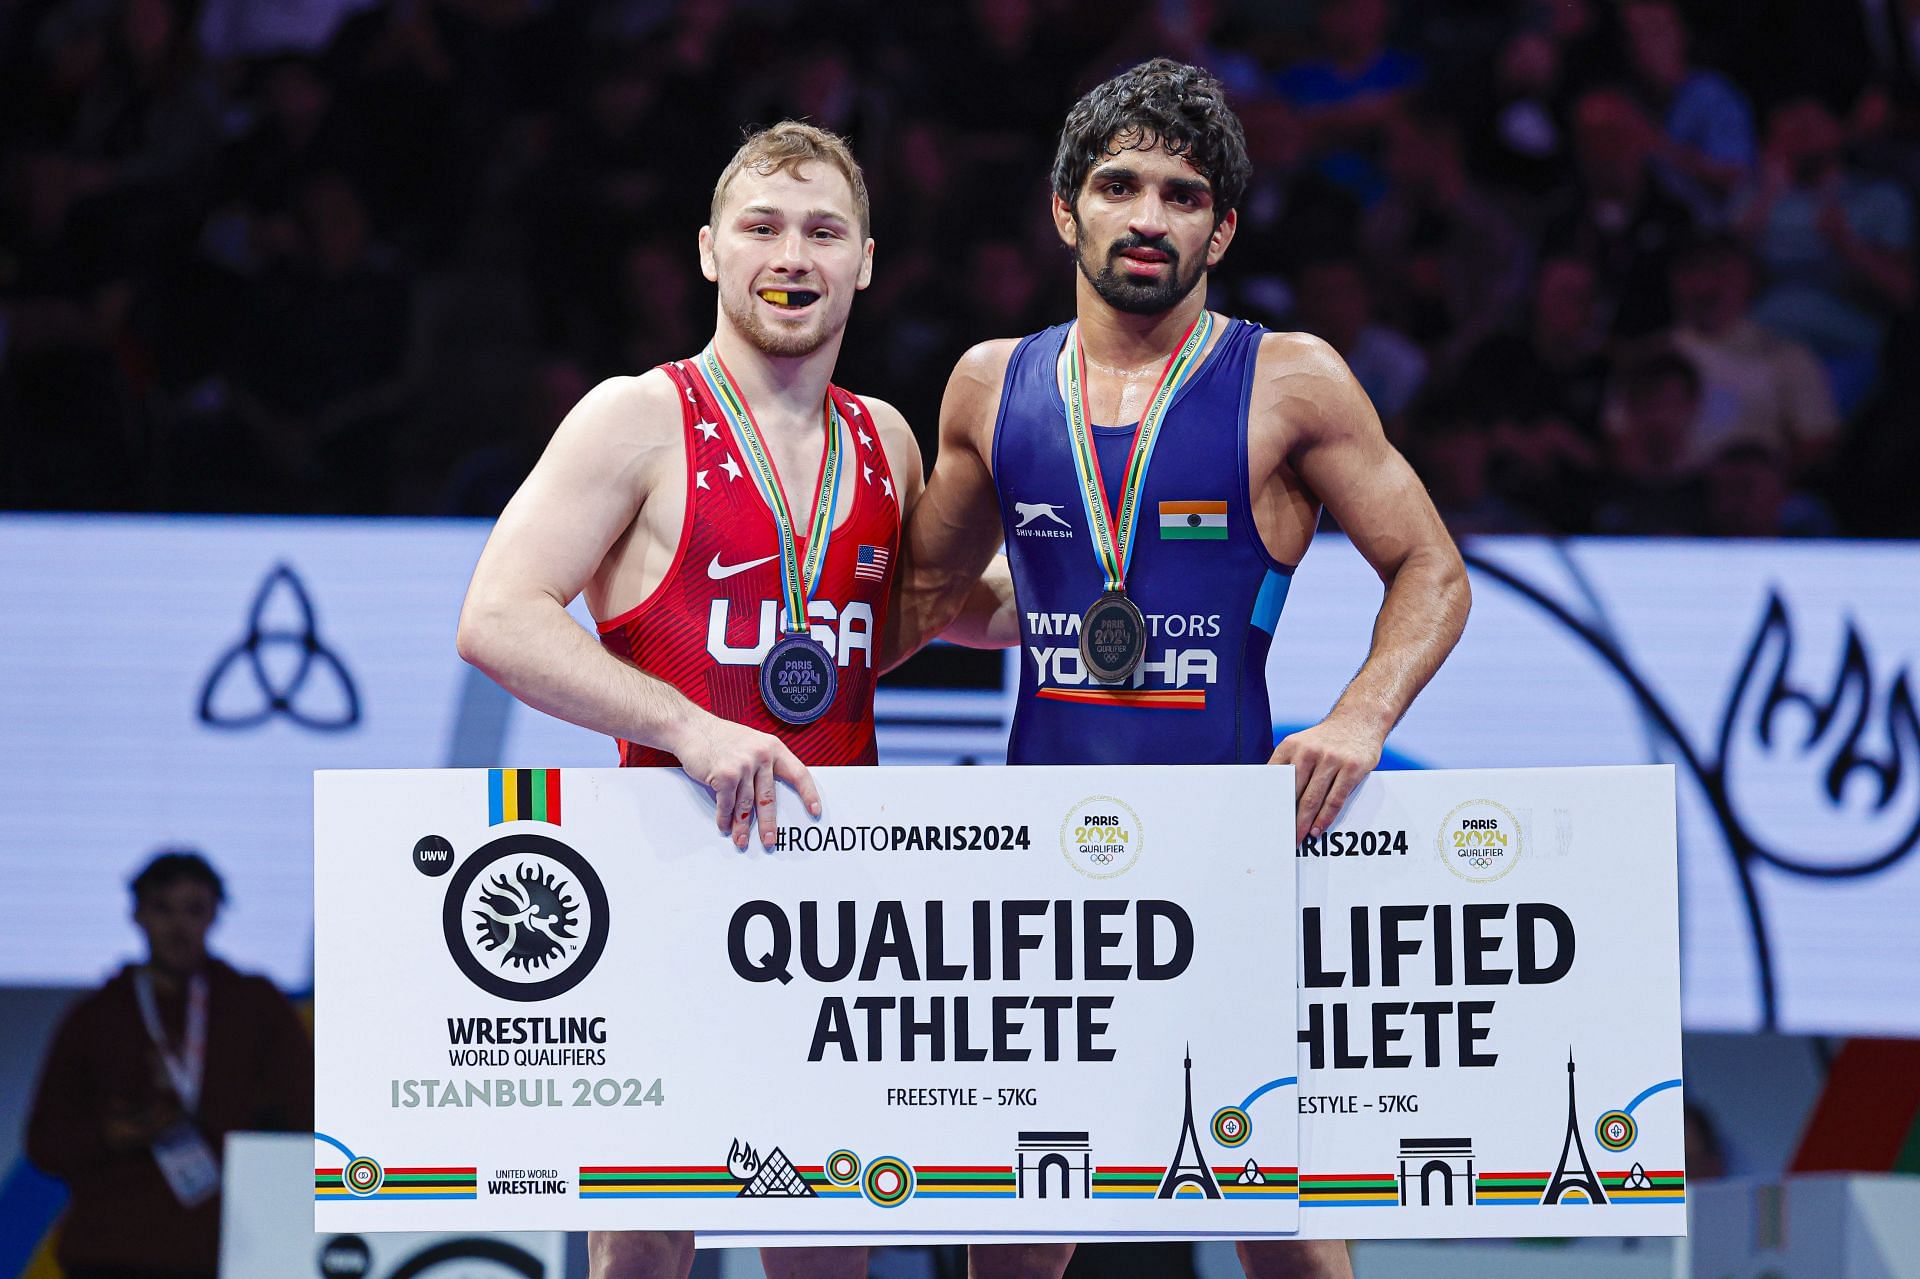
[(525, 918), (281, 666)]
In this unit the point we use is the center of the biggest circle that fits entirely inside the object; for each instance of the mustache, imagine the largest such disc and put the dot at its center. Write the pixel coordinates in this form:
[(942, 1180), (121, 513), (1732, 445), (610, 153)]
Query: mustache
[(1131, 240)]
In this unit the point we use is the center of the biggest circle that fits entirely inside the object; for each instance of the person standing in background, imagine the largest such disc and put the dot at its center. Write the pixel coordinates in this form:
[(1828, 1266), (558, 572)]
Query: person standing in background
[(147, 1076)]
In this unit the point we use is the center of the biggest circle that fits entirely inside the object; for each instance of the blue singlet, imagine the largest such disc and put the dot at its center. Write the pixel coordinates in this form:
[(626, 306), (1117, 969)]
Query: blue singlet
[(1210, 591)]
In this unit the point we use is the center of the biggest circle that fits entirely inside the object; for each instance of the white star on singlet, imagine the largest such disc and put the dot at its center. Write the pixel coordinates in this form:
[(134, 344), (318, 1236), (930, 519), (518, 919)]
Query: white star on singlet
[(886, 486), (869, 472), (731, 467), (866, 441), (708, 430), (700, 480)]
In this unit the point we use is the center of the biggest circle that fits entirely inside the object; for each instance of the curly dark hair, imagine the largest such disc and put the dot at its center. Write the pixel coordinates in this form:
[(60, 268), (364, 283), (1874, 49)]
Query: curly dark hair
[(1159, 103)]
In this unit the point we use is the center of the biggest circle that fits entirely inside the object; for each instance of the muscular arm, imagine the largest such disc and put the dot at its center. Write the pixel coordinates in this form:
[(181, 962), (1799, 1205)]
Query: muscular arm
[(987, 616), (1333, 443), (953, 530), (582, 496)]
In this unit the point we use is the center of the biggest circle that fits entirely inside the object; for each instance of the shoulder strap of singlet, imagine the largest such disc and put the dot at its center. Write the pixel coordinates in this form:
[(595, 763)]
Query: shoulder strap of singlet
[(1031, 347), (860, 418)]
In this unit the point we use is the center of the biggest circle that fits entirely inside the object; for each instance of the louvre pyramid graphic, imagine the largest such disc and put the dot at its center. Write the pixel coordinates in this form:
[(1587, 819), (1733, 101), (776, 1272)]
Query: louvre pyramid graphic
[(776, 1178)]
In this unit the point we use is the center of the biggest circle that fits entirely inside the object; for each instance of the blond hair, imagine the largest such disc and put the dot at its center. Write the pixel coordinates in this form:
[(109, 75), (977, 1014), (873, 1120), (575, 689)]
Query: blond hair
[(783, 148)]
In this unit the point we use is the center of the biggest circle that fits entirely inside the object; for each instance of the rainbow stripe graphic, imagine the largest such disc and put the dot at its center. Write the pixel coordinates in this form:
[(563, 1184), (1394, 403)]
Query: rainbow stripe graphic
[(1510, 1187), (1281, 1183), (689, 1181), (1349, 1190), (964, 1181), (523, 795), (1663, 1187), (659, 1181), (1142, 1181), (401, 1183), (1668, 1186)]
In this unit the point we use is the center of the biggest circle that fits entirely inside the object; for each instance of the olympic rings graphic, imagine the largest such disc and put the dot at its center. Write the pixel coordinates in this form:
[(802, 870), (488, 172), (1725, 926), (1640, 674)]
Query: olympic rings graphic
[(1616, 1130), (1232, 1126), (363, 1177), (888, 1182), (843, 1168)]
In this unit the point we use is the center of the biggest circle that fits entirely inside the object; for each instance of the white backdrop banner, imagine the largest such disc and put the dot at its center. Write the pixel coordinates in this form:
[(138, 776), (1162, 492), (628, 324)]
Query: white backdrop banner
[(177, 680), (1025, 1002), (1489, 1008)]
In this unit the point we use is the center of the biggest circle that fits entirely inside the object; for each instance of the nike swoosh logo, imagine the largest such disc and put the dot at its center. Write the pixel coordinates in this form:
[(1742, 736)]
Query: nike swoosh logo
[(720, 572)]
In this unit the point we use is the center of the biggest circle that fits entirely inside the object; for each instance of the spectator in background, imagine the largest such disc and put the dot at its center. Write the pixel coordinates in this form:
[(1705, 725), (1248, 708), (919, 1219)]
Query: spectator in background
[(1709, 146), (1835, 245), (1336, 305), (1454, 263), (1616, 216), (137, 168), (1757, 385), (1348, 95), (1541, 390), (320, 368), (487, 476), (1453, 451), (147, 1076), (296, 132), (1749, 493), (1654, 489), (1520, 138), (1292, 214)]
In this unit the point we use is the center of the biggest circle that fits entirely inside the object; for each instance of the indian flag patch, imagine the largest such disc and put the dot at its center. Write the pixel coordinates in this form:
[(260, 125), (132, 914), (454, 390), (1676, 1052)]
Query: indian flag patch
[(1193, 521)]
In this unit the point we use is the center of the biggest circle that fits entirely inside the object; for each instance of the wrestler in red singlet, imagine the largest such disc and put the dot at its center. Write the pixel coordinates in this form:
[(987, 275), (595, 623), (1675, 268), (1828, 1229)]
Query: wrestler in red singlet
[(713, 617)]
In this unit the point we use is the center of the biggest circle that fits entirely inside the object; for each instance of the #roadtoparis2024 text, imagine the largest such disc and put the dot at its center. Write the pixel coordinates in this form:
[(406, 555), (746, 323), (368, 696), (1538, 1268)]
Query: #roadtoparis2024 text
[(902, 839)]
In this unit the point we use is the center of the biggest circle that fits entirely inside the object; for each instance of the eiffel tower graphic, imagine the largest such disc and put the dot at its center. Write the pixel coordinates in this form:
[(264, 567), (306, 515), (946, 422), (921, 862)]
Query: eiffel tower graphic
[(1184, 1171), (1565, 1177)]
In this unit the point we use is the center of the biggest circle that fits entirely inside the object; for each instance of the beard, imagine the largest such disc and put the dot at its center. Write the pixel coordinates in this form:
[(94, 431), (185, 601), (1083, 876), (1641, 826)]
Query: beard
[(1139, 297), (783, 344)]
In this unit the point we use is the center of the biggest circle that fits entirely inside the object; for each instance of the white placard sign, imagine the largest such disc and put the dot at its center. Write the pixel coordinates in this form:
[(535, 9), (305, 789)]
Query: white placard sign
[(1490, 1008), (998, 1002)]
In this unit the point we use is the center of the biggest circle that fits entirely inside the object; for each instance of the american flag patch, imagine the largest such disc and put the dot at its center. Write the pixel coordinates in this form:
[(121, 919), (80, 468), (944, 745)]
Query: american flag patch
[(871, 563)]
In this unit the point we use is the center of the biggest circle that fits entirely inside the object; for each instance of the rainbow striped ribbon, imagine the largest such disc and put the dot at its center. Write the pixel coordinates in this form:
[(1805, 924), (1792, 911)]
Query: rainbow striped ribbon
[(1113, 538), (801, 578)]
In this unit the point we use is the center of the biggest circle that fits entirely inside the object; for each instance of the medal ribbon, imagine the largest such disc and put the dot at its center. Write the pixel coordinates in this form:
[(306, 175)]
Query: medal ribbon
[(800, 578), (189, 1069), (1113, 537)]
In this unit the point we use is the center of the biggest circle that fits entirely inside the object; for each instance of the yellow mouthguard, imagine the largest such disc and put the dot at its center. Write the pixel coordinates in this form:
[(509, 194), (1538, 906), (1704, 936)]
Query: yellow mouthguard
[(776, 296)]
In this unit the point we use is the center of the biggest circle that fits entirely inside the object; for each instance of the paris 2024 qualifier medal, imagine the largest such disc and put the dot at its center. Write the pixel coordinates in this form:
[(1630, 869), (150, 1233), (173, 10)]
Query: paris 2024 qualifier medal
[(1113, 638), (797, 679), (797, 676), (1113, 631)]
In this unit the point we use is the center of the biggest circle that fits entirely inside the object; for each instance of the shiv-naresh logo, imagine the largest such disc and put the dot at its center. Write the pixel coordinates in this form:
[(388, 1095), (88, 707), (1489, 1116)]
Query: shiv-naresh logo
[(1048, 515), (525, 918)]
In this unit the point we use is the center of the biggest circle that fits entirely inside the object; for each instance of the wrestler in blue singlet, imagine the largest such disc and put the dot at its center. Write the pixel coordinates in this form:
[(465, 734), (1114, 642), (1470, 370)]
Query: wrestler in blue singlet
[(1210, 591)]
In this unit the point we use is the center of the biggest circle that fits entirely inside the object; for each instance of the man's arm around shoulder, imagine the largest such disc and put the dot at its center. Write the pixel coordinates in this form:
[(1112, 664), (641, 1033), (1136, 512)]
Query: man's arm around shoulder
[(952, 532)]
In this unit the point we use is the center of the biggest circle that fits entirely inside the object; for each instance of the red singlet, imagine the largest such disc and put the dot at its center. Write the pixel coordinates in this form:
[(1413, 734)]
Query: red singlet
[(713, 617)]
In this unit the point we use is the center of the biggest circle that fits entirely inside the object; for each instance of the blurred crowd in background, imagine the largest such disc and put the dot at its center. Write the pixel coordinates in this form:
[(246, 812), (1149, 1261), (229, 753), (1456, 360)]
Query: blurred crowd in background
[(1604, 266)]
